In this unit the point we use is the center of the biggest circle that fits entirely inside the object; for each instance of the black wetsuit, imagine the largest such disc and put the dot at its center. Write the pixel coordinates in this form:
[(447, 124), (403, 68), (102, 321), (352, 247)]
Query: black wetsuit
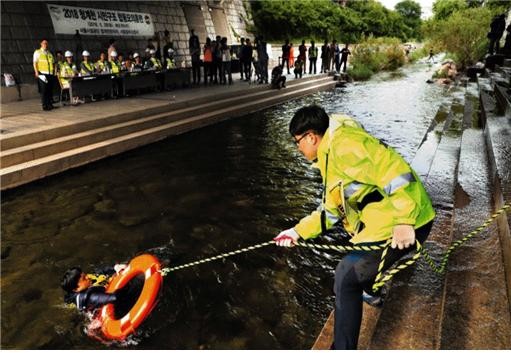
[(94, 296), (91, 298)]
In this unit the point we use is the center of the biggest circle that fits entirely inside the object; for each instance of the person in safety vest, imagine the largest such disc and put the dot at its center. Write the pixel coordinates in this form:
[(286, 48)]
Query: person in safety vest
[(102, 65), (313, 57), (87, 291), (44, 71), (138, 66), (169, 61), (371, 192), (68, 70), (153, 63), (113, 64), (86, 67)]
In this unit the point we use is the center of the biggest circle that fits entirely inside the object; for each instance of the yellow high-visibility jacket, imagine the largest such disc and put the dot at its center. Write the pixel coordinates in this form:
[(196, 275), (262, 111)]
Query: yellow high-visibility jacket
[(369, 186)]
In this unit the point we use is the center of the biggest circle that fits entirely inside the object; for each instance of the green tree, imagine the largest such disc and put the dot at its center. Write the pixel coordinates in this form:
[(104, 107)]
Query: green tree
[(442, 9), (410, 12), (463, 34)]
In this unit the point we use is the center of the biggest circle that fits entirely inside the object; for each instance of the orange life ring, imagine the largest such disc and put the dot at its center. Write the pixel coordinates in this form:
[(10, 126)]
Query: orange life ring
[(119, 329)]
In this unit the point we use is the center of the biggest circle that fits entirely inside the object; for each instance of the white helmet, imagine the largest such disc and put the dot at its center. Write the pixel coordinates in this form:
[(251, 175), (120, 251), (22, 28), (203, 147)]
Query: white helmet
[(113, 53), (152, 51), (135, 55), (85, 53), (171, 51), (68, 54)]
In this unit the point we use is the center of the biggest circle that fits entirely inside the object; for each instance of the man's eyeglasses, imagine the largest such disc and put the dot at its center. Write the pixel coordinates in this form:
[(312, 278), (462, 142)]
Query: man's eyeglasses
[(298, 141)]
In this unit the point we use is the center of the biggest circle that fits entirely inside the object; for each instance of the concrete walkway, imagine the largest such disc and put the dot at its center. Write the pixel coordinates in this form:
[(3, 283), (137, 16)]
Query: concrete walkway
[(22, 117)]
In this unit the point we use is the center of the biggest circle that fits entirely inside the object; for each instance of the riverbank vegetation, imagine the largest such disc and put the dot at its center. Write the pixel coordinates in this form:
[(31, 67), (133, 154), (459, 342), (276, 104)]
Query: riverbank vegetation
[(460, 28), (377, 34)]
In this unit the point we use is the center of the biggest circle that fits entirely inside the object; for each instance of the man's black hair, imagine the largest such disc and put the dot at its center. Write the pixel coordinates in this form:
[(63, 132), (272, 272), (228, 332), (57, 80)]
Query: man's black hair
[(111, 41), (312, 117), (70, 279)]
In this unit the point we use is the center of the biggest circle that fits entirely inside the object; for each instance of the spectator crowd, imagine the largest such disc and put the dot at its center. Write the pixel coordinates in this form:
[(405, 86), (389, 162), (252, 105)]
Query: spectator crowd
[(218, 58)]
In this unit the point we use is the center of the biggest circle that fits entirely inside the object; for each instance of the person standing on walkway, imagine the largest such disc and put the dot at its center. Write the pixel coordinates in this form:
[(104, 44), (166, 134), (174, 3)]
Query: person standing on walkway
[(285, 55), (302, 54), (208, 62), (241, 50), (325, 56), (497, 28), (262, 53), (313, 57), (226, 62), (291, 55), (331, 55), (194, 46), (337, 57), (371, 191), (44, 71), (111, 47), (217, 58), (345, 52), (247, 57)]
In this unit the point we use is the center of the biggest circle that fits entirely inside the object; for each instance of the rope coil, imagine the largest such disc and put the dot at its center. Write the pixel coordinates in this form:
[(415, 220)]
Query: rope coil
[(381, 278)]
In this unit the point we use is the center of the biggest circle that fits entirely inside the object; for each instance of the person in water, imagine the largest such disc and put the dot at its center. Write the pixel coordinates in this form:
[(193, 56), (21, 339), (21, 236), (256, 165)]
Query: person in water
[(87, 291)]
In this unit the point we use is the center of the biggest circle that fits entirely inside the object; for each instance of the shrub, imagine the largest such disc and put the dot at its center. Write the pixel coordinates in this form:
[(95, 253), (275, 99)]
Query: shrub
[(360, 72), (375, 54)]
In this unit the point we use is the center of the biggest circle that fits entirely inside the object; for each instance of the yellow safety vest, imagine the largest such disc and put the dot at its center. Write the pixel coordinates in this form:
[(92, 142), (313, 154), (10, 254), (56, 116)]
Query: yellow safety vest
[(100, 66), (170, 64), (115, 67), (368, 186), (87, 68), (66, 74), (313, 52), (45, 62), (156, 63)]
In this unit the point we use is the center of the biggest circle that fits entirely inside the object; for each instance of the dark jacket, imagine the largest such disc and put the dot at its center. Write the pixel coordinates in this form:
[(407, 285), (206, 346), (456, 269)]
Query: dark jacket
[(91, 298)]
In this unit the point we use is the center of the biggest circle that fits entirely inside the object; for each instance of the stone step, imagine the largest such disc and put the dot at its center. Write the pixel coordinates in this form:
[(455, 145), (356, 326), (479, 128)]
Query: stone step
[(52, 164), (410, 318), (37, 150), (498, 139), (19, 139), (475, 311)]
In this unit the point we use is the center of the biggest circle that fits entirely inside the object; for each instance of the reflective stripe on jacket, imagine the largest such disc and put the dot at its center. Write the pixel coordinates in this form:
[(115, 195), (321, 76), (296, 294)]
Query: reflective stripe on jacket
[(45, 62), (370, 187)]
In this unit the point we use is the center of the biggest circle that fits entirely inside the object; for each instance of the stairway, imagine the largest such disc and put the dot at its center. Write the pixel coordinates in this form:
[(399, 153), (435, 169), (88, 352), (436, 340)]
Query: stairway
[(464, 163), (30, 156)]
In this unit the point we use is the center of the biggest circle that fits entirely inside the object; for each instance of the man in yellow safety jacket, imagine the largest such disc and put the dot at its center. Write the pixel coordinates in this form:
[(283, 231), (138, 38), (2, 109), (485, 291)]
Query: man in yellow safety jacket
[(86, 67), (113, 64), (44, 70), (373, 193)]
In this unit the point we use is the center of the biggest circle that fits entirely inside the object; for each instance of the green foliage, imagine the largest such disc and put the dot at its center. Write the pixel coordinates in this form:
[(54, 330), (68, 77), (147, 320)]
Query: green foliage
[(360, 73), (375, 54), (277, 20), (442, 9), (410, 12), (462, 34)]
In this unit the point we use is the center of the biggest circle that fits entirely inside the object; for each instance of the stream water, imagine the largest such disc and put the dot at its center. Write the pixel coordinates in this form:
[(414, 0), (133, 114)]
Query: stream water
[(206, 192)]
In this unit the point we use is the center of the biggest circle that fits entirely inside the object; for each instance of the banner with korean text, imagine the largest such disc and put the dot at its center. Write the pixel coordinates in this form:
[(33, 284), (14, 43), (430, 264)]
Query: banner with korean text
[(100, 22)]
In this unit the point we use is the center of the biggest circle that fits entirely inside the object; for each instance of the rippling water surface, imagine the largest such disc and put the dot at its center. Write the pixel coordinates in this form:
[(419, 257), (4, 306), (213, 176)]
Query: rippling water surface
[(196, 195)]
